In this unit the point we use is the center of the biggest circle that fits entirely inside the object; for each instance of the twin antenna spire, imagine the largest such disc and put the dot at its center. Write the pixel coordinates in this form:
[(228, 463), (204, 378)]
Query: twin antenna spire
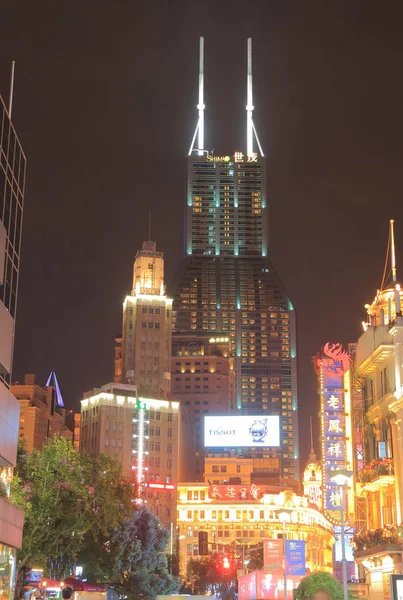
[(250, 126)]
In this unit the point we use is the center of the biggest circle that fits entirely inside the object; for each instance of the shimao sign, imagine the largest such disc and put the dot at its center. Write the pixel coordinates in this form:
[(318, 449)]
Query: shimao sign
[(332, 365)]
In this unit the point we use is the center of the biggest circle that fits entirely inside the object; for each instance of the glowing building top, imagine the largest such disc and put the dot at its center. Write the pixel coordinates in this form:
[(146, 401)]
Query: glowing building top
[(387, 302), (143, 353)]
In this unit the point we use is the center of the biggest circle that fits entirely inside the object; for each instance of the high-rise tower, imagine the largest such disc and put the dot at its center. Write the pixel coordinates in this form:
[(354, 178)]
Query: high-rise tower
[(143, 354), (12, 187), (227, 284)]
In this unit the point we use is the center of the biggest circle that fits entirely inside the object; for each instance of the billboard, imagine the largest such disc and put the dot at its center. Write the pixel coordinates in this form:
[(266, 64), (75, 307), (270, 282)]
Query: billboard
[(295, 557), (266, 585), (239, 430)]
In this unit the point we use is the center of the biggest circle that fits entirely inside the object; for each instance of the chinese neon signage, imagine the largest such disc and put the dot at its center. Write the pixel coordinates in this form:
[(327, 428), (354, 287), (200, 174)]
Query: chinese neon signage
[(331, 365), (236, 157), (235, 492)]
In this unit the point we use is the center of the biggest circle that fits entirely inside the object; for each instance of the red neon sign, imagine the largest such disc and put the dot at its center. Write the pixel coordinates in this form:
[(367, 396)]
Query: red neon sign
[(335, 361), (161, 486)]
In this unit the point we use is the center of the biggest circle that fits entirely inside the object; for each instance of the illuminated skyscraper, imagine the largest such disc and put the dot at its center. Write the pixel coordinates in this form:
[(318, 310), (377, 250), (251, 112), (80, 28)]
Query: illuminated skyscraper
[(143, 353), (227, 283)]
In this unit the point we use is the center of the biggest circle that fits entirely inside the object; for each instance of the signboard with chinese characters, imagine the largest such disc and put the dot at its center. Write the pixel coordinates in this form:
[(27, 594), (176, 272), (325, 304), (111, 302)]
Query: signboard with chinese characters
[(331, 365), (295, 557), (247, 493), (234, 431), (236, 157)]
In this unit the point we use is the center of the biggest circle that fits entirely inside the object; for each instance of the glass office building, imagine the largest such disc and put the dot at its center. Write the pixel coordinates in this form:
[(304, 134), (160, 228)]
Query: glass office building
[(12, 182), (227, 285)]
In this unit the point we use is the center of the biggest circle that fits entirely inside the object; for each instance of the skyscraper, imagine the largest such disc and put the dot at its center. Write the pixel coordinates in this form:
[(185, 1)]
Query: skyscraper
[(227, 283), (12, 185), (143, 354)]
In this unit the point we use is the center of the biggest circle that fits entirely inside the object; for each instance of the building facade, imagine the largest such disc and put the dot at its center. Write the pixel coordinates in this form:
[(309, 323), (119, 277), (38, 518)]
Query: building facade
[(143, 353), (203, 380), (12, 187), (248, 514), (377, 385), (42, 413), (226, 285), (141, 434)]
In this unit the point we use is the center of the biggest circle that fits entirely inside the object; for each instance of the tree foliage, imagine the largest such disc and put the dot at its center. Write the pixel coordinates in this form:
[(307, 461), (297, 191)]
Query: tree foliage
[(320, 582), (133, 559), (205, 577), (80, 510), (69, 499)]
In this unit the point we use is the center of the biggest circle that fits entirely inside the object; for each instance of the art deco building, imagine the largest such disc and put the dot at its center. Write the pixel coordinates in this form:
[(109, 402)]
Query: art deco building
[(378, 392), (12, 187), (133, 419), (143, 353), (248, 514), (227, 285), (42, 412)]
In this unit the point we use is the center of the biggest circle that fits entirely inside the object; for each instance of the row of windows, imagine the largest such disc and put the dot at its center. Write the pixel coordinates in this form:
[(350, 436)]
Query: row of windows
[(149, 324)]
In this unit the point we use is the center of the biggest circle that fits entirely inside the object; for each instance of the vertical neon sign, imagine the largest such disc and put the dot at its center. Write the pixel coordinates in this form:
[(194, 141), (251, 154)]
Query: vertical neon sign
[(332, 365)]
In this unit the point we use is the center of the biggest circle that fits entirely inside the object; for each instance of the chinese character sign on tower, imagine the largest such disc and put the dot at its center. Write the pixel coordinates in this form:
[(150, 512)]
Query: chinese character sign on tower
[(331, 365)]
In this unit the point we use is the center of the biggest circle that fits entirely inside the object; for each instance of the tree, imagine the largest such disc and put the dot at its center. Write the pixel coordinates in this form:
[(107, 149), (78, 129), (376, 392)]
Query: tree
[(69, 500), (206, 576), (138, 559), (255, 558), (318, 586)]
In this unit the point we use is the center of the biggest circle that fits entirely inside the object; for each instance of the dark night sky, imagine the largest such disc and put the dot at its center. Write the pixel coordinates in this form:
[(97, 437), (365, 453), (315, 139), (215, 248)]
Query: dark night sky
[(104, 106)]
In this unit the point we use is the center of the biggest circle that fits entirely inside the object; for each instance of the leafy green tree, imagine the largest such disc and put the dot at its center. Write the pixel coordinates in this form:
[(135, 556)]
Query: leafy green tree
[(69, 500), (139, 563), (318, 586)]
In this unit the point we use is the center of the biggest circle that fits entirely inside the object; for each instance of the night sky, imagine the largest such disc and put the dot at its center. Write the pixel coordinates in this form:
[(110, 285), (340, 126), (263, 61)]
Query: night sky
[(105, 108)]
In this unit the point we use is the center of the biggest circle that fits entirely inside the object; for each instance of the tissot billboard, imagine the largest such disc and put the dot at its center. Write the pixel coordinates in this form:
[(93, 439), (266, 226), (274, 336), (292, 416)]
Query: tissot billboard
[(241, 431)]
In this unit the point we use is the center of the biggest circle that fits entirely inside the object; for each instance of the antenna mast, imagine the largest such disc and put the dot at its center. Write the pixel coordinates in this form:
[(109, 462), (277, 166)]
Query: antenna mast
[(10, 103), (249, 101), (149, 226), (201, 106), (392, 249)]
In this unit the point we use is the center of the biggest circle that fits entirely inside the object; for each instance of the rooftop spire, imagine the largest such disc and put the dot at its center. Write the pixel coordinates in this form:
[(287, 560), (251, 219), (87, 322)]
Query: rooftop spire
[(201, 106), (250, 126), (312, 455), (249, 101), (392, 249), (52, 380)]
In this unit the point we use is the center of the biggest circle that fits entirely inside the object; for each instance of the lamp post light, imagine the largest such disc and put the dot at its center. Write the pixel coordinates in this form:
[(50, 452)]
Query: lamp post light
[(284, 515), (341, 478)]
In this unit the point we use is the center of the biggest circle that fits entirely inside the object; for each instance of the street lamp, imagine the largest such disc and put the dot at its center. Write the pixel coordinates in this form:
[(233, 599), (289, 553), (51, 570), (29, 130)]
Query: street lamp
[(284, 515), (341, 478)]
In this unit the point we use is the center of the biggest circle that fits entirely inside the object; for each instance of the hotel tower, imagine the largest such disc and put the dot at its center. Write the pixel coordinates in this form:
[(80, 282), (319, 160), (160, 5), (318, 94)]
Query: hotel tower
[(227, 286)]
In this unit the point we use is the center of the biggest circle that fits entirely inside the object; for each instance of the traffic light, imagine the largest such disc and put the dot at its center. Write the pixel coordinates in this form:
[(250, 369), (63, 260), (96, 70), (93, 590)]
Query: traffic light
[(203, 543), (227, 565)]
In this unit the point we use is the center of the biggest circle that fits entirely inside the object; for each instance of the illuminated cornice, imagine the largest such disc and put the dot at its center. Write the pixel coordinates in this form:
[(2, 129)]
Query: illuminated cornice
[(120, 400), (375, 359)]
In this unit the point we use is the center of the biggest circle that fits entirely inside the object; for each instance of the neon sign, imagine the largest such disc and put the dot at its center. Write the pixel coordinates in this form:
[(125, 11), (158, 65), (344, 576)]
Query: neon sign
[(332, 365), (160, 486), (237, 157), (212, 158)]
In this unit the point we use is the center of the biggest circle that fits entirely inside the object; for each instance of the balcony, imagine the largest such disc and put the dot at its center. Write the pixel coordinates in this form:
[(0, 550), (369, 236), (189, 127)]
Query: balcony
[(376, 542), (373, 348), (377, 474)]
